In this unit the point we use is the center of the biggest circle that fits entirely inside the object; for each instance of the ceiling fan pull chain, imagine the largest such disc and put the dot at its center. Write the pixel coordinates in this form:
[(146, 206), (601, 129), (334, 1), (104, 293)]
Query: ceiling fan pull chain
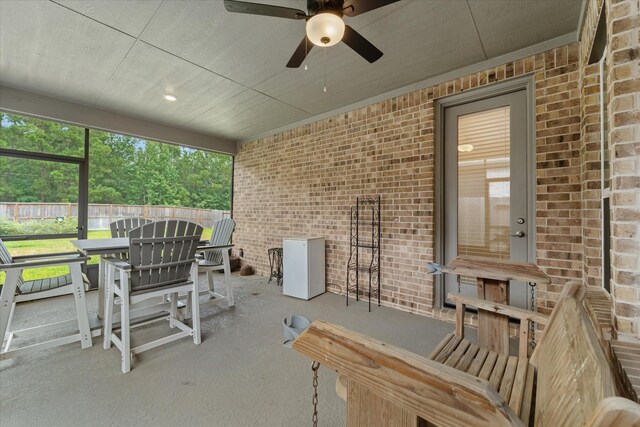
[(306, 52), (325, 69)]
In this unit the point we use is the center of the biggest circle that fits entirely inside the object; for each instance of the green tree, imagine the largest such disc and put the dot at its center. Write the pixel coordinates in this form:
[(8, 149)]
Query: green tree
[(25, 180), (122, 169)]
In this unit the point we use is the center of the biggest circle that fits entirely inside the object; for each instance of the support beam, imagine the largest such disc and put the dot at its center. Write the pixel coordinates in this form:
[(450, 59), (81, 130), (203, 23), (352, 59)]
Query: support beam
[(31, 104)]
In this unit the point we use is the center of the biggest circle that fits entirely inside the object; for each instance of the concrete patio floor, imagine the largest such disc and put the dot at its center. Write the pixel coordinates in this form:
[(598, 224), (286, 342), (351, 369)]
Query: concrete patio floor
[(240, 375)]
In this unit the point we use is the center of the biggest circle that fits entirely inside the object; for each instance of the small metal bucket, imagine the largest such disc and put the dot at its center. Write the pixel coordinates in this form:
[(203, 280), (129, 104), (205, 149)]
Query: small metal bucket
[(293, 327)]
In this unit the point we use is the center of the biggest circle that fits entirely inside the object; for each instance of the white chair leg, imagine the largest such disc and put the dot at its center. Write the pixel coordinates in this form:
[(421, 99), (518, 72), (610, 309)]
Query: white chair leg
[(125, 331), (101, 286), (188, 310), (173, 311), (6, 300), (7, 342), (108, 309), (195, 315), (210, 279), (227, 277), (81, 305)]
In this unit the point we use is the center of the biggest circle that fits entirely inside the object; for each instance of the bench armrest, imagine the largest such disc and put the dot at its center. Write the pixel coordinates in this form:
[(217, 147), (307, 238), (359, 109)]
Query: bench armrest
[(435, 392), (494, 307), (616, 411)]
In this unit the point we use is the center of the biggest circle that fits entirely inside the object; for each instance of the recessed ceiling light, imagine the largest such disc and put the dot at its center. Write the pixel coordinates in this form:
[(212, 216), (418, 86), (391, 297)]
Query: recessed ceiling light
[(170, 97), (465, 148)]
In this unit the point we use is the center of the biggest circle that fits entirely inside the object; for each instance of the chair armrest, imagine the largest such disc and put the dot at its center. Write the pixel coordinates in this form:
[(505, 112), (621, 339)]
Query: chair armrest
[(213, 247), (54, 259), (117, 263), (438, 393), (494, 307), (27, 257)]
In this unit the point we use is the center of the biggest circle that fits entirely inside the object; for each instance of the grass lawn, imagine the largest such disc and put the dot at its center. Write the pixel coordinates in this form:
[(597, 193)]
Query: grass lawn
[(34, 247)]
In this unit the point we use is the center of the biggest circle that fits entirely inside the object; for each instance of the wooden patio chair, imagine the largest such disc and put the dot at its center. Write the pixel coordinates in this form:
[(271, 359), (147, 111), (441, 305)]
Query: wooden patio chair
[(161, 260), (218, 259), (17, 290)]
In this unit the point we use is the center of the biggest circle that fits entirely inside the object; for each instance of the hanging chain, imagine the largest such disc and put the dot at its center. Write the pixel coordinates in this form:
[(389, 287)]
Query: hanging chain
[(532, 285), (458, 280), (314, 367)]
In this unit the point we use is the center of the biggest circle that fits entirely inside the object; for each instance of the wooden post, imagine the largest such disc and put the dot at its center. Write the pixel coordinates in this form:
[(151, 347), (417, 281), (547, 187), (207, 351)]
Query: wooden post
[(460, 309), (523, 346), (493, 329)]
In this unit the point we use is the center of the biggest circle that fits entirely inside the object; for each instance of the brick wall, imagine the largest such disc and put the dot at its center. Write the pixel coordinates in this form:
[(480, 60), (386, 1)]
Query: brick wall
[(623, 80), (303, 181), (590, 176)]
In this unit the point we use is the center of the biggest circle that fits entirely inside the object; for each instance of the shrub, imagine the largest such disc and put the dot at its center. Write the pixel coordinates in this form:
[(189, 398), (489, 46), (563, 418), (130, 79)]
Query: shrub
[(43, 226), (8, 228)]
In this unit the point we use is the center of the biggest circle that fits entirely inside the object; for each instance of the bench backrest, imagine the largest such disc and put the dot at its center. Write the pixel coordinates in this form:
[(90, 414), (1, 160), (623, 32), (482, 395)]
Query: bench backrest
[(574, 373)]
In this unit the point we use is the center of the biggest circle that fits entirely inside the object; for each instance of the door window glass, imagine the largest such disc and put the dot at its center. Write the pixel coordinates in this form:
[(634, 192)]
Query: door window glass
[(484, 183)]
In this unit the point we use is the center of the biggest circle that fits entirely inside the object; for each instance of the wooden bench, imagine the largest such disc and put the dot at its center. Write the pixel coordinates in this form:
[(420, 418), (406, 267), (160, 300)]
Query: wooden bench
[(568, 381)]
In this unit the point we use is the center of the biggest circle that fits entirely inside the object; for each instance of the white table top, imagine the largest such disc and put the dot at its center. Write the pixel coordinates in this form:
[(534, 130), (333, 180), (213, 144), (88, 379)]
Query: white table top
[(101, 246), (121, 244)]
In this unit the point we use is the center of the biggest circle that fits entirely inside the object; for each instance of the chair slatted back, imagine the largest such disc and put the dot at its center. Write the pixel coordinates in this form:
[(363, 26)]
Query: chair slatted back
[(222, 231), (574, 373), (161, 253), (121, 228), (6, 258)]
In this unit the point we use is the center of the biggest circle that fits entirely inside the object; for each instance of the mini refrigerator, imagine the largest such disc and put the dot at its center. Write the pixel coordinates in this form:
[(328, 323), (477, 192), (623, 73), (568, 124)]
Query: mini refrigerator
[(303, 264)]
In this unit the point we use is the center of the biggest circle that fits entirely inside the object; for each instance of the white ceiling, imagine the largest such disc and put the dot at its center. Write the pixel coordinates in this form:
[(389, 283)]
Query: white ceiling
[(228, 70)]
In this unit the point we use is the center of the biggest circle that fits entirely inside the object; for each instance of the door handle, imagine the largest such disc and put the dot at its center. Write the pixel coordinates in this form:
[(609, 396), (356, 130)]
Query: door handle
[(518, 233)]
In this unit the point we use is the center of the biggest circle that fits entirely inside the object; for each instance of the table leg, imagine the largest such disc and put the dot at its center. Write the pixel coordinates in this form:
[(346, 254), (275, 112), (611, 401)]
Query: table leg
[(101, 287), (493, 329)]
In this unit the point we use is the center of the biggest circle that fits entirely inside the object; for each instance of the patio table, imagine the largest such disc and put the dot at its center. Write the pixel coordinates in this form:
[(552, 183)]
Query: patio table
[(117, 245), (492, 278)]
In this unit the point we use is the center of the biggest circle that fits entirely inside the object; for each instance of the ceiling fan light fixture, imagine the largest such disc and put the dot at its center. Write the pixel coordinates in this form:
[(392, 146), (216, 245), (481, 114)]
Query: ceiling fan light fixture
[(325, 29)]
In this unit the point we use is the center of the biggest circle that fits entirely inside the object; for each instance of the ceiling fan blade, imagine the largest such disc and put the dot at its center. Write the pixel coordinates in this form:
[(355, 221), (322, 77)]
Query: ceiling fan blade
[(263, 9), (357, 7), (362, 46), (300, 54)]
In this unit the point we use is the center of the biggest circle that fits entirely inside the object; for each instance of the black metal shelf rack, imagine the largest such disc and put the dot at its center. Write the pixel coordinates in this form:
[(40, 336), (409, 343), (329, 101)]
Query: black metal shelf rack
[(364, 241)]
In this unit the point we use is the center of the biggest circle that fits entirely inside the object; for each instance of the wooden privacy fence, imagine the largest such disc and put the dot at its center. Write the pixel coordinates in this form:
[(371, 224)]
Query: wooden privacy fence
[(100, 216)]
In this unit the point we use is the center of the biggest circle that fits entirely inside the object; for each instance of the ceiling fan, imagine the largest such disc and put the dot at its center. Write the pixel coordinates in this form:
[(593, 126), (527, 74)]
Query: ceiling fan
[(325, 25)]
